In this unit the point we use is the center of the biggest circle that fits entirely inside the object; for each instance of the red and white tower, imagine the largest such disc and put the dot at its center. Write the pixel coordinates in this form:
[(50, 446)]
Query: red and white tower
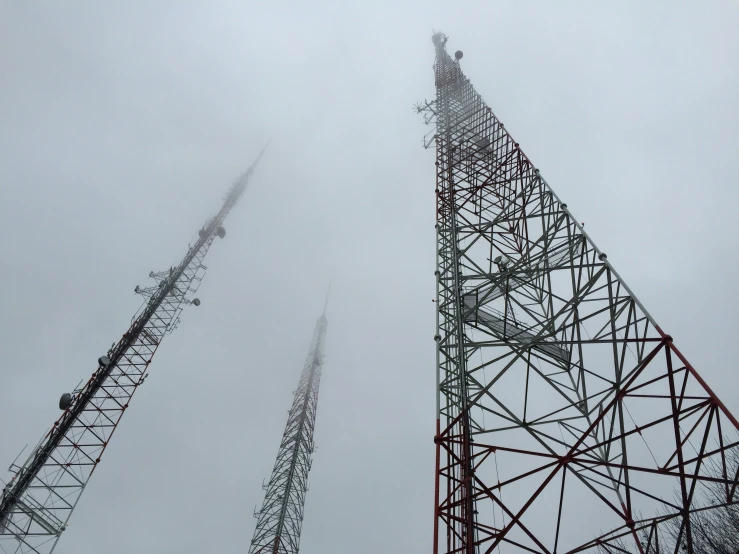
[(37, 503), (568, 420)]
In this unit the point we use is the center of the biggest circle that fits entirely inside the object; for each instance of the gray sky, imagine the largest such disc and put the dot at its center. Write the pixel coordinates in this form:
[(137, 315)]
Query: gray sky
[(123, 126)]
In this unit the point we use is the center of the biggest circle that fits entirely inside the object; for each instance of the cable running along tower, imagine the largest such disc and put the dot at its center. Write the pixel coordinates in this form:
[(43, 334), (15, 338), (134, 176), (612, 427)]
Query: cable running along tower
[(280, 519), (36, 504), (568, 421)]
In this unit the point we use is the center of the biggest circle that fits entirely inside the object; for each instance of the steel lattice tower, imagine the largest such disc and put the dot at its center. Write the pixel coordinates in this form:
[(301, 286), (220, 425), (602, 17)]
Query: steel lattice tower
[(568, 421), (280, 519), (36, 504)]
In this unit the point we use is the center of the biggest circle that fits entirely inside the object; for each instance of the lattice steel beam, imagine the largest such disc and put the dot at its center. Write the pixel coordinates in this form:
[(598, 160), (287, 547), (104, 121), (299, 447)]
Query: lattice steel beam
[(280, 519), (37, 503), (568, 421)]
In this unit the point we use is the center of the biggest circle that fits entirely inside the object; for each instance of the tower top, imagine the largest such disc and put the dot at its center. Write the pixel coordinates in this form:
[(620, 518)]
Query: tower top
[(439, 39)]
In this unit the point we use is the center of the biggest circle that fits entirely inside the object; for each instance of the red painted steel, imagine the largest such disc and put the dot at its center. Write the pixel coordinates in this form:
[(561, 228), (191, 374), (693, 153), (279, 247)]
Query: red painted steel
[(566, 423)]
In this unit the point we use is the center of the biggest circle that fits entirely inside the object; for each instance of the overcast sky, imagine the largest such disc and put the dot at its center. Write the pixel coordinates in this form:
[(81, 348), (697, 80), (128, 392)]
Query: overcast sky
[(121, 128)]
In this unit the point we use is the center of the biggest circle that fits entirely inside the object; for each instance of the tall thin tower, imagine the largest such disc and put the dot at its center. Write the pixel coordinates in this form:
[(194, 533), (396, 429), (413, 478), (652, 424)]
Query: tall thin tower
[(281, 517), (37, 503), (568, 420)]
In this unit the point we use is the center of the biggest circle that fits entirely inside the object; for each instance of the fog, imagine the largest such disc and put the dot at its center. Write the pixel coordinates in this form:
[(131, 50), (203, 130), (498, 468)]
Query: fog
[(122, 127)]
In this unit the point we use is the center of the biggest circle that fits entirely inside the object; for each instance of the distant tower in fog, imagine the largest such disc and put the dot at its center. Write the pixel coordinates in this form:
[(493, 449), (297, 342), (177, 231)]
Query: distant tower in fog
[(280, 519), (37, 503)]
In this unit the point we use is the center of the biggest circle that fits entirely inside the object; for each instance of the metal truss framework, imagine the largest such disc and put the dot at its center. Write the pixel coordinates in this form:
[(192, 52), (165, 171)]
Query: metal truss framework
[(36, 504), (568, 421), (280, 519)]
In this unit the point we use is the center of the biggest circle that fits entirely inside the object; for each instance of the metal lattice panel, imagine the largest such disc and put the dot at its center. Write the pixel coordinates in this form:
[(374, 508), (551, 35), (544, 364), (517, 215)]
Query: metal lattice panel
[(280, 519), (38, 501), (568, 420)]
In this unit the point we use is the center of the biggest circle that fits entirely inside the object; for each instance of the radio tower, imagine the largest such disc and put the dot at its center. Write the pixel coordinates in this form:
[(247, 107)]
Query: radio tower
[(281, 517), (36, 504), (568, 420)]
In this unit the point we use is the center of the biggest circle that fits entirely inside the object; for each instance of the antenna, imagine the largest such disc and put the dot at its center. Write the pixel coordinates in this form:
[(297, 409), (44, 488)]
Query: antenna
[(583, 356), (47, 487), (279, 521)]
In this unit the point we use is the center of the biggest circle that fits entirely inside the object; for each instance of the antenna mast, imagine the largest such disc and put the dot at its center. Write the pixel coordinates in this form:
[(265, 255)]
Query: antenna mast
[(281, 517), (567, 420), (36, 504)]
